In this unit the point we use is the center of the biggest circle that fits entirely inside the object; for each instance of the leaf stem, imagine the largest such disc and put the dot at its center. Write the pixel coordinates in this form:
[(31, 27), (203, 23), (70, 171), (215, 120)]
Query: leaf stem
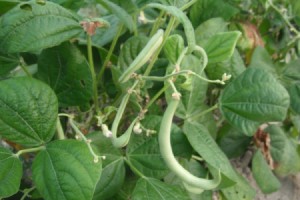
[(187, 5), (109, 54), (26, 192), (196, 115), (157, 23), (30, 150), (134, 169), (23, 66), (157, 95), (59, 130), (92, 69)]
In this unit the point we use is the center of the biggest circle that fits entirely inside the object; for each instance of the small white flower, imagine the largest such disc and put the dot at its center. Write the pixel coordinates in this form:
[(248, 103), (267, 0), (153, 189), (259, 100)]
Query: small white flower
[(106, 132), (226, 77), (137, 128)]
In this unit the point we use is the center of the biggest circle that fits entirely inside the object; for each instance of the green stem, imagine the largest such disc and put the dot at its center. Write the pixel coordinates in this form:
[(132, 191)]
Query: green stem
[(109, 54), (59, 130), (26, 193), (23, 66), (189, 4), (292, 28), (196, 115), (35, 149), (155, 56), (157, 23), (88, 142), (135, 170), (92, 69), (157, 95)]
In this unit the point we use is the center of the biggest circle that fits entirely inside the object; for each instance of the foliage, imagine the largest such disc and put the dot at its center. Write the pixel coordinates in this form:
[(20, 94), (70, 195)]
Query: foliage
[(146, 99)]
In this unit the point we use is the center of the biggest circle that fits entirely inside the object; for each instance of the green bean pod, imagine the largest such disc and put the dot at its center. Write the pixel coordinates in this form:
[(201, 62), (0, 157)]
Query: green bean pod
[(193, 183), (143, 56)]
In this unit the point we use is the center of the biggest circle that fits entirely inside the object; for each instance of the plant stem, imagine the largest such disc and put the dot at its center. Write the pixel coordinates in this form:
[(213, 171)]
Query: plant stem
[(157, 95), (157, 23), (26, 192), (135, 170), (23, 66), (196, 115), (292, 28), (92, 69), (189, 4), (109, 54), (59, 130), (29, 150), (155, 56)]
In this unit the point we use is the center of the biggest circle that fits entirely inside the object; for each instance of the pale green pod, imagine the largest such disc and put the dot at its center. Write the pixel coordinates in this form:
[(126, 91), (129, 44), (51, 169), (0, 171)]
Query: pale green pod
[(193, 183), (153, 44)]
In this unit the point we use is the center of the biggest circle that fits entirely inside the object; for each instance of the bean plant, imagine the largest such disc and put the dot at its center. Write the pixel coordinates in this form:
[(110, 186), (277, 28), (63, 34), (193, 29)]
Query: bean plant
[(138, 99)]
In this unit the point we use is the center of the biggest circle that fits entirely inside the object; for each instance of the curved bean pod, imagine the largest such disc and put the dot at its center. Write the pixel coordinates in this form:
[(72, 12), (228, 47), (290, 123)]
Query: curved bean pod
[(164, 139)]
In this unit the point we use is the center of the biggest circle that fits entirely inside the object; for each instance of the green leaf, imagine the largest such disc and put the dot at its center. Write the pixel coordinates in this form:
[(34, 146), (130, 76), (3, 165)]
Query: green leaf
[(253, 98), (113, 168), (67, 72), (10, 173), (294, 92), (220, 46), (192, 89), (205, 145), (233, 66), (209, 28), (284, 152), (206, 9), (118, 11), (263, 175), (66, 170), (6, 5), (130, 50), (290, 74), (173, 48), (232, 142), (262, 59), (31, 26), (28, 111), (70, 4), (143, 153), (149, 188), (8, 63)]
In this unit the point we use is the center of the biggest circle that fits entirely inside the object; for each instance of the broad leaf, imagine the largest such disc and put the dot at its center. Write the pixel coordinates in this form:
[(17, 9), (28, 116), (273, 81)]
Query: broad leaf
[(206, 9), (205, 145), (173, 48), (123, 16), (290, 74), (294, 92), (113, 171), (149, 188), (263, 175), (70, 4), (233, 66), (220, 46), (10, 173), (32, 26), (28, 111), (5, 5), (209, 28), (284, 152), (232, 142), (67, 72), (253, 98), (261, 59), (8, 63), (66, 170)]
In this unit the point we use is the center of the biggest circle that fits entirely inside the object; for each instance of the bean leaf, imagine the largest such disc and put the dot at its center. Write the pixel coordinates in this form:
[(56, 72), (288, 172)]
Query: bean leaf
[(28, 111), (10, 173), (253, 98), (33, 26), (66, 170), (67, 72)]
